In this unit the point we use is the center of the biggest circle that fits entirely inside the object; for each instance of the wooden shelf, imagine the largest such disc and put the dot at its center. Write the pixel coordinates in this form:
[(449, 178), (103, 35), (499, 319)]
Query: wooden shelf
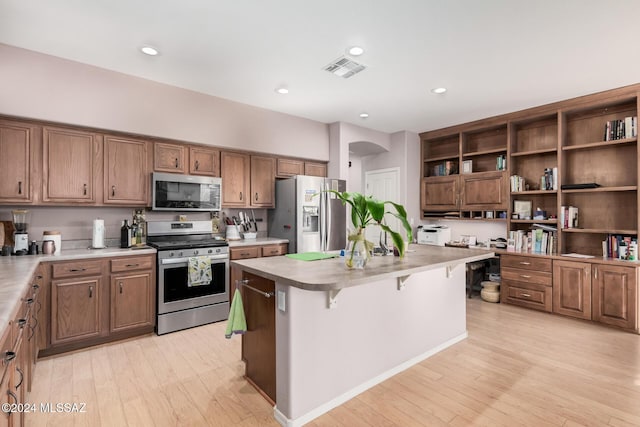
[(531, 192), (534, 152), (485, 152), (602, 189), (534, 221), (598, 231), (441, 158), (601, 144)]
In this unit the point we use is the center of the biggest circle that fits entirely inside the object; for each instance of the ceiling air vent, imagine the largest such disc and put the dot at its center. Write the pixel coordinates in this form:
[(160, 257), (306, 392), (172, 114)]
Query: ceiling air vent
[(344, 67)]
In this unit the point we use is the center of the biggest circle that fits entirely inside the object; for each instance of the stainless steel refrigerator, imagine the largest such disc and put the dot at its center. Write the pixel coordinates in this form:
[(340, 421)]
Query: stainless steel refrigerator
[(311, 219)]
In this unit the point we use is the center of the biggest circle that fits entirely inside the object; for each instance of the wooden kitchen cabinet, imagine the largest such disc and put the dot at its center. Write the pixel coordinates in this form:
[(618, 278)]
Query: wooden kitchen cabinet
[(572, 288), (259, 342), (72, 161), (75, 309), (126, 172), (286, 168), (204, 161), (315, 169), (6, 375), (526, 281), (169, 157), (441, 193), (235, 170), (16, 161), (247, 252), (484, 191), (132, 293), (615, 295), (263, 170)]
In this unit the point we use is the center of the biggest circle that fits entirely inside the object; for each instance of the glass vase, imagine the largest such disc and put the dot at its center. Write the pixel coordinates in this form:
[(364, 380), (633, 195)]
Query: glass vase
[(356, 254)]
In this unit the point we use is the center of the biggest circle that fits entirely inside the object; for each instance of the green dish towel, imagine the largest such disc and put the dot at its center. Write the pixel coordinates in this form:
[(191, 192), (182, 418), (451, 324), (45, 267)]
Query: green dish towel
[(237, 323), (311, 256)]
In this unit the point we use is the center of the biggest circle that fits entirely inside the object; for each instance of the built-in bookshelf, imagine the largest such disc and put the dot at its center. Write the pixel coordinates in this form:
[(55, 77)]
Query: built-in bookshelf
[(581, 141)]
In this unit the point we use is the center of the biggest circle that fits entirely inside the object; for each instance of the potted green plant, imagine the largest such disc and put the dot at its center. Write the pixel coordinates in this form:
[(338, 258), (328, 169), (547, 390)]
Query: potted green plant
[(367, 211)]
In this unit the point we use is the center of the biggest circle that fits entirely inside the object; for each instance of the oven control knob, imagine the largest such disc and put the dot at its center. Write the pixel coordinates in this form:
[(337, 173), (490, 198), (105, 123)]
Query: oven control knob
[(195, 252), (170, 254), (180, 253), (210, 251)]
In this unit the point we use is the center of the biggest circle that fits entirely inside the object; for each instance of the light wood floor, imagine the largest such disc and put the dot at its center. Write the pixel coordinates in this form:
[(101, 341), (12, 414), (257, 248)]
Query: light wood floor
[(518, 367)]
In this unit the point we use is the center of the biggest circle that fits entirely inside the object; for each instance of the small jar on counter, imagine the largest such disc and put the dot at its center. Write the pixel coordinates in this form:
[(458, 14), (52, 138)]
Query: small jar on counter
[(56, 237)]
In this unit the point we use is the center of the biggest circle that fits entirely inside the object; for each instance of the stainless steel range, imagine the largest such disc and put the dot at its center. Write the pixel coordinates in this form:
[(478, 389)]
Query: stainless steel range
[(182, 303)]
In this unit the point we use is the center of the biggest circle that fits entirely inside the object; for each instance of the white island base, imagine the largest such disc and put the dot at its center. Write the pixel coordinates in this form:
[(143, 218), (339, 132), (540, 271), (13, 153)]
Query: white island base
[(339, 332)]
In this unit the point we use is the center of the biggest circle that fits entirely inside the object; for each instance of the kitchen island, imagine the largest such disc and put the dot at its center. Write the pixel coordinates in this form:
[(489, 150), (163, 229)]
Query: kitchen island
[(338, 332)]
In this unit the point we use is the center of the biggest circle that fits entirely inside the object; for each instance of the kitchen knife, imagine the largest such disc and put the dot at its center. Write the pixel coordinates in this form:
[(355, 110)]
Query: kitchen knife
[(253, 218)]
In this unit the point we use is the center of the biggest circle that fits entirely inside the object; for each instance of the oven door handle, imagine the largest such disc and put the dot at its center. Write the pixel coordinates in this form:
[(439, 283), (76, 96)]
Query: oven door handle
[(186, 259)]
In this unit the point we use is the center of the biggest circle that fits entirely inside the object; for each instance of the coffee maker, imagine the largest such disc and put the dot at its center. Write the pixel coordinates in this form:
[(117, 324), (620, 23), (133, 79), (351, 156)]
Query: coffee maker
[(20, 236)]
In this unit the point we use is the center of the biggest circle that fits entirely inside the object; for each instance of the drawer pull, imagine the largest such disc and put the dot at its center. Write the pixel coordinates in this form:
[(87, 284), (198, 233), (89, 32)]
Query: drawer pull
[(526, 295), (525, 276), (132, 265), (525, 263), (77, 270), (245, 254), (21, 377), (273, 252), (9, 356)]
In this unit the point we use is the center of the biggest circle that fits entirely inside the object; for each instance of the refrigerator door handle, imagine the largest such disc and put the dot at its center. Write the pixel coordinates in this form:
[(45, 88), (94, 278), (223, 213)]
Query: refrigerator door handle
[(327, 243), (322, 218)]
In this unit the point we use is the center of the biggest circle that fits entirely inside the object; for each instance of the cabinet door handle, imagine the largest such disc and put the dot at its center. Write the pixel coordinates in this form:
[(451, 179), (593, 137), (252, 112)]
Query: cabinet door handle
[(113, 191), (19, 187), (526, 295), (525, 276), (21, 377), (9, 356), (90, 291), (120, 287), (177, 162), (197, 164), (525, 263), (84, 189), (256, 197), (241, 195), (15, 398), (36, 286), (39, 277), (21, 323)]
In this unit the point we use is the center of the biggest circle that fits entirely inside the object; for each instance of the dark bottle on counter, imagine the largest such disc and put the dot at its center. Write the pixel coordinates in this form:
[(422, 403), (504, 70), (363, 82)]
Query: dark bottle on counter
[(125, 235), (33, 248)]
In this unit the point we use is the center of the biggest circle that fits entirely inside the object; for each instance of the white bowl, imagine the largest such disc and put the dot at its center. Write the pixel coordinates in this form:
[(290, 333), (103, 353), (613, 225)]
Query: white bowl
[(251, 235)]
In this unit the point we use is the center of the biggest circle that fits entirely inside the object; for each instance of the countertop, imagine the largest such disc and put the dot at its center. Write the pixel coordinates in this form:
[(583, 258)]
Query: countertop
[(16, 271), (332, 274), (260, 241)]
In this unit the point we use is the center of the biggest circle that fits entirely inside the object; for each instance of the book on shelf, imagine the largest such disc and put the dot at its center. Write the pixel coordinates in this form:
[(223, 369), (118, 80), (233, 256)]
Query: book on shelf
[(621, 129), (501, 162), (569, 217), (448, 167), (619, 246), (536, 240), (517, 183)]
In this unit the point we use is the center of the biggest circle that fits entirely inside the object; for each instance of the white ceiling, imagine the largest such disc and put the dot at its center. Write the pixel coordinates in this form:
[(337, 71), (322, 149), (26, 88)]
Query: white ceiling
[(494, 56)]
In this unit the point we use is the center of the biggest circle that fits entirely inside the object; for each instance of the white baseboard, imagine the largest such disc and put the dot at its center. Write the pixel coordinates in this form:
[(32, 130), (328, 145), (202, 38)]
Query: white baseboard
[(339, 400)]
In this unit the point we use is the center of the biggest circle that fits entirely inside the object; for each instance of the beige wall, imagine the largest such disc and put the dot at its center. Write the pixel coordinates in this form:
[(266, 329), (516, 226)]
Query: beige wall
[(34, 85)]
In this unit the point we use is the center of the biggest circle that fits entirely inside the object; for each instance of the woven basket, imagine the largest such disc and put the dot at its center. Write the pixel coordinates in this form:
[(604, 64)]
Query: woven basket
[(490, 286), (490, 296)]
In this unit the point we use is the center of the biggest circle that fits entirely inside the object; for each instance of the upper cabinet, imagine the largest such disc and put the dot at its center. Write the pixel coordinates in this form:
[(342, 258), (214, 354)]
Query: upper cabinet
[(235, 170), (247, 181), (315, 169), (204, 161), (71, 164), (286, 168), (15, 161), (263, 171), (126, 171), (169, 157)]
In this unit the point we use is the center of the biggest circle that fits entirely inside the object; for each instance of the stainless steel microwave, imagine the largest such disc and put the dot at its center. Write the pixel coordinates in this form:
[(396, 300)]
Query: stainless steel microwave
[(174, 192)]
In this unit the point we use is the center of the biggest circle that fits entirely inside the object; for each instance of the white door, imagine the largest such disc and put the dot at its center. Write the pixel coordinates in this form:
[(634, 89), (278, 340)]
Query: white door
[(382, 184)]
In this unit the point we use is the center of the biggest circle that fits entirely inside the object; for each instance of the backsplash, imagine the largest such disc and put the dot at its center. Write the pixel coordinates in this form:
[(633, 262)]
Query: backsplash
[(76, 223)]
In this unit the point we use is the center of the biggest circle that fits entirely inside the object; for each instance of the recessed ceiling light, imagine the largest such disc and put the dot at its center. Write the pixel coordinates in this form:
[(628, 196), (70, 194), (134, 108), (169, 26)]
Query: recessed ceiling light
[(439, 90), (282, 90), (364, 115), (355, 51), (152, 51)]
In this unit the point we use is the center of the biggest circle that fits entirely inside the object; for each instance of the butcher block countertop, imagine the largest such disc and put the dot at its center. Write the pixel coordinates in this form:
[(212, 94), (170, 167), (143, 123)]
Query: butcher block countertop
[(332, 274)]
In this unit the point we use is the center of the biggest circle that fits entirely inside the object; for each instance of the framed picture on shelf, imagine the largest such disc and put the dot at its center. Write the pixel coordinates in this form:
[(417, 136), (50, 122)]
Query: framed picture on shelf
[(522, 208), (467, 166)]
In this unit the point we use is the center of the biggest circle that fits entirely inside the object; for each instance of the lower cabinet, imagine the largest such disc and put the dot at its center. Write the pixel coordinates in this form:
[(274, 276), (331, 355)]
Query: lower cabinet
[(246, 252), (605, 293), (615, 295), (132, 294), (572, 289), (99, 300)]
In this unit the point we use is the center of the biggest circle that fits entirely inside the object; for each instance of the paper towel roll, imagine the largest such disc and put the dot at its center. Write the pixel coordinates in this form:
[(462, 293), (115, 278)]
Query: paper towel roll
[(98, 234)]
